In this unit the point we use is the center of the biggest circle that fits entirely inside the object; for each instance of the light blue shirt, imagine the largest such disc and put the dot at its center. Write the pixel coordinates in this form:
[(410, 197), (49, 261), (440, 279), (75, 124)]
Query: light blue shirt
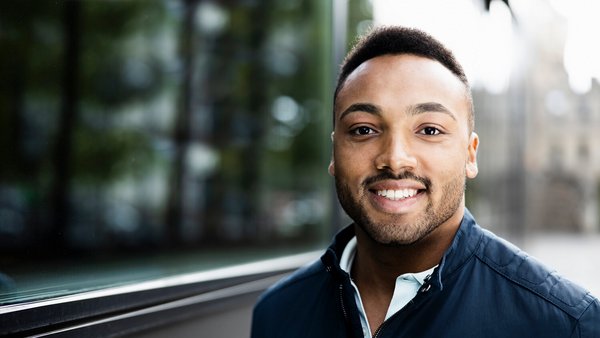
[(406, 288)]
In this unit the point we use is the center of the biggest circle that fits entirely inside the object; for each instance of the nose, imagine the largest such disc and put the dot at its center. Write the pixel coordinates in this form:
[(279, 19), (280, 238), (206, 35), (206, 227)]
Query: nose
[(395, 155)]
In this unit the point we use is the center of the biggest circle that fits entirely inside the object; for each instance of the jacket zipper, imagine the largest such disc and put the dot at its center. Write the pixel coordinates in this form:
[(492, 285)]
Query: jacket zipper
[(424, 288), (341, 288), (385, 322)]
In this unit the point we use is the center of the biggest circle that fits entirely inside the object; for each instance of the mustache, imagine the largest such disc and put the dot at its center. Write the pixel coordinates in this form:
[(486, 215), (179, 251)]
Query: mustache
[(406, 175)]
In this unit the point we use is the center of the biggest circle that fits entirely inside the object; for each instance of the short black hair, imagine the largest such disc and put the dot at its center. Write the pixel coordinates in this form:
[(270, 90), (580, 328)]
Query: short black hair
[(393, 40)]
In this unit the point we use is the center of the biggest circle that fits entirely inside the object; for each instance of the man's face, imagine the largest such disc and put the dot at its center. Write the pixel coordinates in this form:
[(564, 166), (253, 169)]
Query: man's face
[(402, 148)]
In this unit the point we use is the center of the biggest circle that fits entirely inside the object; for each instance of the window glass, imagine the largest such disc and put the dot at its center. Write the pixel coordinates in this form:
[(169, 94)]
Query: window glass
[(145, 138)]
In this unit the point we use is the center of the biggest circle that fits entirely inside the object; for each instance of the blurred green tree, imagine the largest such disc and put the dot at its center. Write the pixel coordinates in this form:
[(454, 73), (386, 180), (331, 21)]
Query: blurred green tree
[(67, 78)]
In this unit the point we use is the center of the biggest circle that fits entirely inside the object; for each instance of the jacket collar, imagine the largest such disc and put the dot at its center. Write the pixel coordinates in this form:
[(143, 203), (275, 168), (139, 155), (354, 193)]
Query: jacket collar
[(465, 243), (331, 257)]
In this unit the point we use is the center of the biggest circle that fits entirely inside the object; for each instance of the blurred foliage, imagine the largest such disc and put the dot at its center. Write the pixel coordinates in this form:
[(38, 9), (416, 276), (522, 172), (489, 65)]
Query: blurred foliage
[(360, 19), (31, 65), (205, 121), (104, 155)]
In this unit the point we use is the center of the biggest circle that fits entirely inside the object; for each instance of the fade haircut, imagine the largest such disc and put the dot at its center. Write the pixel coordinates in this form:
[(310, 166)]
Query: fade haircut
[(394, 40)]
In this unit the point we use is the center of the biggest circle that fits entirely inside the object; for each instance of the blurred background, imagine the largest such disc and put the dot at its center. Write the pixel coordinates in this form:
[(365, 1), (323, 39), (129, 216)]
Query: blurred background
[(145, 138)]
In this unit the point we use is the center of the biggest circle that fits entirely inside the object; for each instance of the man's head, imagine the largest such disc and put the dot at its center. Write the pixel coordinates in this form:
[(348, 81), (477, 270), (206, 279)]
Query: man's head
[(395, 40), (403, 144)]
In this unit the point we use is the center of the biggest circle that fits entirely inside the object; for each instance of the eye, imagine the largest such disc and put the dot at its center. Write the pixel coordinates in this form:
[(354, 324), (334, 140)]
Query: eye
[(362, 131), (430, 131)]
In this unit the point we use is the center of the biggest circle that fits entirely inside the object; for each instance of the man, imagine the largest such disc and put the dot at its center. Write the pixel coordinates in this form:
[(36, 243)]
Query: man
[(415, 263)]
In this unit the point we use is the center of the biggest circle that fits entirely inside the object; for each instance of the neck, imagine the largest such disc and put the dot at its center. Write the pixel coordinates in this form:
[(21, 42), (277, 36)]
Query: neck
[(379, 265)]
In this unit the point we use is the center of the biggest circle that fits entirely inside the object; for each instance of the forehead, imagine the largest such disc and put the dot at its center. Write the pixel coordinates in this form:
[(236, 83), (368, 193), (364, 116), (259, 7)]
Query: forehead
[(403, 79)]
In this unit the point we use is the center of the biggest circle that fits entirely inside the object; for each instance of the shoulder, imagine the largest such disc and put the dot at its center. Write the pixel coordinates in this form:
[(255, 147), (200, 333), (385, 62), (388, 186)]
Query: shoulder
[(291, 304), (528, 273), (296, 283)]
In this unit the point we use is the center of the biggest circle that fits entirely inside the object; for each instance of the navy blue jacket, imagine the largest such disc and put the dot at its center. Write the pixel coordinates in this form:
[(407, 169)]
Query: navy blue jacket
[(483, 287)]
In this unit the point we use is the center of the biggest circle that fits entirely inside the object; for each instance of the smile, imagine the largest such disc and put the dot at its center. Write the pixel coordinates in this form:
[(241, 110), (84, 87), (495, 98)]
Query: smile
[(396, 195)]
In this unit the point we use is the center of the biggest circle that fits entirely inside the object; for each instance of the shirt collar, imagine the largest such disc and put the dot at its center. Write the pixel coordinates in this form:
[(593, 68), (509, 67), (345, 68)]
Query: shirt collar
[(465, 243), (348, 255), (350, 252)]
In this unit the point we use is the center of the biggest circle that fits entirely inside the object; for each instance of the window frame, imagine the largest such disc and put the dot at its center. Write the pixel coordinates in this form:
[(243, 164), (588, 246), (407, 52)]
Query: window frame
[(139, 306)]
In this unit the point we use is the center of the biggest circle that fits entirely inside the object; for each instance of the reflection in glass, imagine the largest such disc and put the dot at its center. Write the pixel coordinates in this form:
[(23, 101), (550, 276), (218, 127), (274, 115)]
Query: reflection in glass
[(144, 138)]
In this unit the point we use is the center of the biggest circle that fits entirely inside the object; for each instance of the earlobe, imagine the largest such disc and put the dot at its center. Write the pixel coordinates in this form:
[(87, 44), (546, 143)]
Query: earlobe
[(472, 170), (471, 165)]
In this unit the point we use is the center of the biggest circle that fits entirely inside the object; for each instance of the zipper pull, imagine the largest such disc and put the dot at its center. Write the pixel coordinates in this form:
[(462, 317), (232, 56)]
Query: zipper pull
[(426, 285)]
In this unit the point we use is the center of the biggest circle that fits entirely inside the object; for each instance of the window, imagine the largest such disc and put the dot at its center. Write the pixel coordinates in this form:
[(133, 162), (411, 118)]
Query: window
[(142, 139)]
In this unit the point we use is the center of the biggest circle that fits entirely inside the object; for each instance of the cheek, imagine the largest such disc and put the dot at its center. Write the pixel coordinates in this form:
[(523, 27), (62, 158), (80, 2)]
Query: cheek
[(442, 162), (345, 166), (351, 163)]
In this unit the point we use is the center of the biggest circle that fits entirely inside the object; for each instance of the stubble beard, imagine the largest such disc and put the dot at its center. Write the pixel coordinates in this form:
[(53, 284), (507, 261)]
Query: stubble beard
[(392, 230)]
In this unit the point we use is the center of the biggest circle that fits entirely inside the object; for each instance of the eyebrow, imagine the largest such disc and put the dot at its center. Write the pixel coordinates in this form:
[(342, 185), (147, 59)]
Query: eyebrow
[(412, 110), (362, 107), (429, 107)]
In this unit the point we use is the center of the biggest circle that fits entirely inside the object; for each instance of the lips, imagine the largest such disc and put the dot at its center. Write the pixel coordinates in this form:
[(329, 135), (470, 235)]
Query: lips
[(397, 189), (396, 196)]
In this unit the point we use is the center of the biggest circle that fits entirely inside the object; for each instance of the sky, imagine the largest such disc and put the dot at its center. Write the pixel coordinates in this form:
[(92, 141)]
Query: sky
[(490, 45)]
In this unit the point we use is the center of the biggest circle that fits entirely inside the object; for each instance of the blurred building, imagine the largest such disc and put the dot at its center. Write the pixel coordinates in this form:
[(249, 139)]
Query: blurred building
[(530, 66), (539, 156)]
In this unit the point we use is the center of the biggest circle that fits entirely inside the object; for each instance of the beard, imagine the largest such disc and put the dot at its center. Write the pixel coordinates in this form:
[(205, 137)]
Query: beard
[(392, 229)]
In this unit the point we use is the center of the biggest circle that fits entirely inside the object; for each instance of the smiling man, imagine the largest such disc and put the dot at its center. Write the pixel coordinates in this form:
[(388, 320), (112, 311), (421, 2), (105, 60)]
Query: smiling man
[(414, 263)]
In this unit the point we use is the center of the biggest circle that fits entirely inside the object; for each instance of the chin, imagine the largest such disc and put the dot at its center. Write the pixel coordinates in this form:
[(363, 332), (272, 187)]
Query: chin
[(396, 235)]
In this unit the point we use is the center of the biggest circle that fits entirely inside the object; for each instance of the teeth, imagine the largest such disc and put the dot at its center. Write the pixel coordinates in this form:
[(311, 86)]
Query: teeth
[(397, 194)]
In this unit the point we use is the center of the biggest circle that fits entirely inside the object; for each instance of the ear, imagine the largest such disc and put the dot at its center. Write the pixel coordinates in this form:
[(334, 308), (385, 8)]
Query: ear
[(331, 167), (471, 166)]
